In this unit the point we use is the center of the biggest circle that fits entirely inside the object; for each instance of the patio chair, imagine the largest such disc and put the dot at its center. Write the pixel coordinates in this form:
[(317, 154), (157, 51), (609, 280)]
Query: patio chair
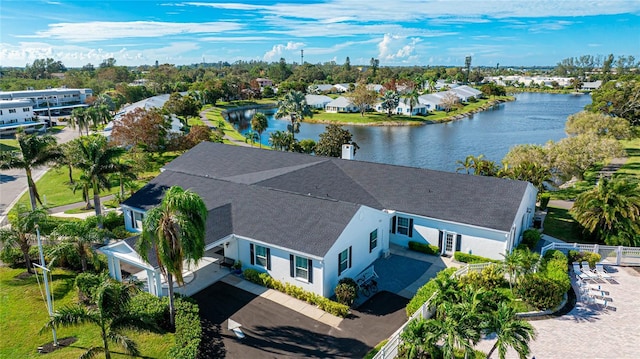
[(586, 271), (601, 272), (576, 268)]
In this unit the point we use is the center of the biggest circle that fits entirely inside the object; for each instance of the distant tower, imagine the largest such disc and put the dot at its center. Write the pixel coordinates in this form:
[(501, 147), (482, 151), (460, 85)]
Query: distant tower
[(301, 57), (156, 63)]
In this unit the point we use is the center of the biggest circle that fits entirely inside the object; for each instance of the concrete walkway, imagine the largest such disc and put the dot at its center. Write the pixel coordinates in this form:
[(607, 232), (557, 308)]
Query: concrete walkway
[(285, 300), (207, 122)]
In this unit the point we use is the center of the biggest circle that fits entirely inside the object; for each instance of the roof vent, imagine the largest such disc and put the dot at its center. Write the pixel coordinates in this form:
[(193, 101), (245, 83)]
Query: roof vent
[(348, 151)]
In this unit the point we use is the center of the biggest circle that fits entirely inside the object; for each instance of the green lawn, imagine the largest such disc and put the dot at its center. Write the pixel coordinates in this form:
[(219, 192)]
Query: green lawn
[(9, 145), (559, 223), (632, 167), (23, 312)]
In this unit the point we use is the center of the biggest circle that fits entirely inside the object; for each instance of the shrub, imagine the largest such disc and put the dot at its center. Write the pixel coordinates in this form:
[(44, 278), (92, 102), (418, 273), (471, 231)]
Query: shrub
[(530, 238), (426, 291), (490, 277), (120, 232), (555, 267), (151, 309), (540, 292), (323, 303), (472, 258), (591, 257), (346, 294), (544, 200), (87, 283), (188, 330), (424, 248)]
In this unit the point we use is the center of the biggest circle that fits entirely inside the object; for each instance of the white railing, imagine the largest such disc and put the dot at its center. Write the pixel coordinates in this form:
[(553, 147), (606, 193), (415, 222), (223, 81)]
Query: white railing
[(615, 255), (473, 267)]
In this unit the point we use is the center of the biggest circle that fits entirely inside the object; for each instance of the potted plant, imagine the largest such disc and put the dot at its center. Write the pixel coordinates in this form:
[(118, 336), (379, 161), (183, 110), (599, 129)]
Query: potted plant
[(237, 267)]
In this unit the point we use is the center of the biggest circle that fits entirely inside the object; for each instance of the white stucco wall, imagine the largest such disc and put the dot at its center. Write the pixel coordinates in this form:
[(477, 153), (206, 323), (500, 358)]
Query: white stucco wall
[(128, 224), (356, 235)]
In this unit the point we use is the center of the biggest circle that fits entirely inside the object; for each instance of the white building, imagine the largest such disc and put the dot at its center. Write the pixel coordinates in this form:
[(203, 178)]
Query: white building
[(15, 114), (310, 221), (317, 101), (341, 104), (404, 109), (57, 100)]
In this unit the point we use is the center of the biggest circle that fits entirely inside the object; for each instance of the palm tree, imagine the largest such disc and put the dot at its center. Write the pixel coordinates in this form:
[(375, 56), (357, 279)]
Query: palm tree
[(390, 101), (34, 152), (259, 124), (97, 160), (280, 140), (21, 232), (457, 330), (411, 100), (125, 174), (83, 183), (79, 238), (80, 119), (513, 265), (174, 232), (413, 338), (109, 312), (466, 165), (611, 210), (294, 105), (510, 330)]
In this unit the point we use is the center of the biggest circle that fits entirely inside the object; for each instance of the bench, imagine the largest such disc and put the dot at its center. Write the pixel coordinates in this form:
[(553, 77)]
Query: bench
[(227, 262)]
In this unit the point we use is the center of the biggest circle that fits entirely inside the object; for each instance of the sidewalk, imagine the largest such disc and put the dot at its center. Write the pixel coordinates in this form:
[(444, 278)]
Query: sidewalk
[(59, 211)]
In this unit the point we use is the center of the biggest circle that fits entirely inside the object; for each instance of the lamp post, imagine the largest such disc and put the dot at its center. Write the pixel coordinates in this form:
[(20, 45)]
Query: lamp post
[(45, 274)]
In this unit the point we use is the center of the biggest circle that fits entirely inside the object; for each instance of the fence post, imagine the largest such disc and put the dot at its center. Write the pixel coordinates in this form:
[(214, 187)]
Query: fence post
[(619, 255), (595, 248)]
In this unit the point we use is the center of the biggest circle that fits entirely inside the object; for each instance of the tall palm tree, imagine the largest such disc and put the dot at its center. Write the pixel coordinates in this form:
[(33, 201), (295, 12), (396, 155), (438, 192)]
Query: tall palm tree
[(97, 161), (109, 312), (79, 119), (294, 105), (413, 338), (22, 231), (611, 210), (79, 238), (412, 99), (124, 173), (459, 329), (174, 232), (35, 151), (511, 331), (259, 123), (84, 184)]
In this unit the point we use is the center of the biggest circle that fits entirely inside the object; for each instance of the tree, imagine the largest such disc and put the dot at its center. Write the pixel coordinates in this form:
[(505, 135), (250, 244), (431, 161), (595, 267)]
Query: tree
[(390, 101), (618, 98), (362, 97), (78, 238), (611, 210), (532, 172), (572, 156), (413, 339), (466, 164), (259, 123), (109, 312), (375, 63), (491, 89), (141, 127), (450, 101), (281, 140), (80, 120), (331, 141), (412, 99), (511, 332), (294, 105), (598, 124), (467, 65), (35, 151), (21, 232), (174, 232), (97, 161), (459, 329), (124, 173)]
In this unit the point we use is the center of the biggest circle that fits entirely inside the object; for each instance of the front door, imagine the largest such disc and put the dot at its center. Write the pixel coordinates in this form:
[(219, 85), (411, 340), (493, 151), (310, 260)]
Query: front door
[(448, 248)]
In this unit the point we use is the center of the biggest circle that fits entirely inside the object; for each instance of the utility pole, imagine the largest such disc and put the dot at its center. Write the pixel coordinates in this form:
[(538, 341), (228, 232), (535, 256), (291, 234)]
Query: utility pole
[(301, 57), (45, 274)]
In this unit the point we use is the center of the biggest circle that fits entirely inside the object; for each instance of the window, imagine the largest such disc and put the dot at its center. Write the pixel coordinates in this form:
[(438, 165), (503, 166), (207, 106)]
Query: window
[(12, 110), (25, 109), (0, 112), (403, 225), (260, 256), (301, 268), (344, 260), (373, 240)]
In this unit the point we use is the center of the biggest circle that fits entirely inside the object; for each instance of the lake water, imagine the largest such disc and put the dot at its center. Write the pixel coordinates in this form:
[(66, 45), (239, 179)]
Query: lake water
[(533, 118)]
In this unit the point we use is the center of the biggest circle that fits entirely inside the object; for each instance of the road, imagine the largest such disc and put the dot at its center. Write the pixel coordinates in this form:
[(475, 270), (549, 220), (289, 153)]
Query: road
[(13, 183)]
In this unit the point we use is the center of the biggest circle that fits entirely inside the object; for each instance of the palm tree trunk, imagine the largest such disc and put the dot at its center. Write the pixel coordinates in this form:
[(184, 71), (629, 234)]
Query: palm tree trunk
[(70, 174), (96, 202), (107, 354), (121, 187), (27, 260), (172, 308), (493, 348), (33, 193)]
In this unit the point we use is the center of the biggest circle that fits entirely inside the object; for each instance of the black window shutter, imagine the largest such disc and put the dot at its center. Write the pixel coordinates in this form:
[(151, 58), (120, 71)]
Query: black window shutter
[(458, 242), (440, 234), (350, 256), (310, 265), (410, 227), (339, 267), (292, 267), (268, 258), (393, 224), (253, 259)]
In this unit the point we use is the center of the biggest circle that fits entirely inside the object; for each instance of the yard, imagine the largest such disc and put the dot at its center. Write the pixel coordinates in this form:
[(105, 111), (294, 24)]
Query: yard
[(23, 313)]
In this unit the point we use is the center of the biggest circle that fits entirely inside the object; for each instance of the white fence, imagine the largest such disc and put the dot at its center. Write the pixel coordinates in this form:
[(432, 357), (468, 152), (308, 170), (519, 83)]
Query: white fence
[(614, 255)]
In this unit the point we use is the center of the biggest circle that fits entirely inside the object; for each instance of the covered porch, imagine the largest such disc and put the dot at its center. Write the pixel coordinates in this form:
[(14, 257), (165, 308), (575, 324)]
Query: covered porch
[(126, 264)]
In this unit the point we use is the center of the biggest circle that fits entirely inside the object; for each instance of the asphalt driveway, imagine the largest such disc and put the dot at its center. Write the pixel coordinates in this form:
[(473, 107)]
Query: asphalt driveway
[(274, 331)]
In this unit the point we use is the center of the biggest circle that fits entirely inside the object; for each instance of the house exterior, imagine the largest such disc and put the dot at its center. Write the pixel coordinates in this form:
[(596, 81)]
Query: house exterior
[(591, 85), (317, 101), (404, 109), (263, 82), (341, 88), (465, 92), (311, 221), (321, 88), (55, 99), (15, 114), (431, 102), (341, 104)]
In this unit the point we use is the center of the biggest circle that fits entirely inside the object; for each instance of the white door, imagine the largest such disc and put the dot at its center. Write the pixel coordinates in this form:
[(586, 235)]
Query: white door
[(448, 243)]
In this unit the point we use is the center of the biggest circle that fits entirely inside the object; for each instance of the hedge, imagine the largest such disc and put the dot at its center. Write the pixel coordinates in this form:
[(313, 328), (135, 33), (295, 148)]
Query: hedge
[(151, 309), (555, 268), (188, 330), (424, 248), (530, 238), (540, 292), (472, 258), (591, 257), (264, 279), (426, 291)]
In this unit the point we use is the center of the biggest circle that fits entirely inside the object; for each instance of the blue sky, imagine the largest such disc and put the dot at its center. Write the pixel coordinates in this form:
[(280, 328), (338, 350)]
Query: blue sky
[(397, 32)]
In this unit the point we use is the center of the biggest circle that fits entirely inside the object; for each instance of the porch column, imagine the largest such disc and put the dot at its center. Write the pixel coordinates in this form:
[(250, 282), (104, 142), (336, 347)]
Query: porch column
[(110, 263), (116, 268)]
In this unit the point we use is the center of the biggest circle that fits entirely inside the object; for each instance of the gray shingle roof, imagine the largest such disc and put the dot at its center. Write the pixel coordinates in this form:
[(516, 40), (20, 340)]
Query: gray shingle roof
[(280, 198)]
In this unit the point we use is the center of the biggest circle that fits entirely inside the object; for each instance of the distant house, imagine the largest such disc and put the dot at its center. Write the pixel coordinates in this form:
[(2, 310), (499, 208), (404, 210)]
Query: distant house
[(404, 109), (341, 88), (311, 221), (341, 104), (375, 87), (317, 101), (590, 86), (16, 114), (264, 82), (431, 102), (465, 92), (321, 88)]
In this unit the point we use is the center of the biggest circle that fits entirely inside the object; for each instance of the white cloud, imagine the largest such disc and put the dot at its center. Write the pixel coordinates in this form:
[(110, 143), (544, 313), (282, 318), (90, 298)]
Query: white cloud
[(106, 30), (395, 48), (278, 50)]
